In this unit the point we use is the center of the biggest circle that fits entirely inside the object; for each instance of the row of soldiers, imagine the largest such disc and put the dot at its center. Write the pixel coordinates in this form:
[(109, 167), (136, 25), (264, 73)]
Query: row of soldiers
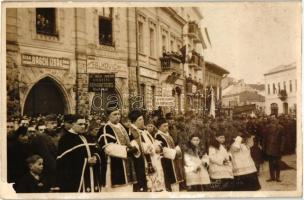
[(136, 152)]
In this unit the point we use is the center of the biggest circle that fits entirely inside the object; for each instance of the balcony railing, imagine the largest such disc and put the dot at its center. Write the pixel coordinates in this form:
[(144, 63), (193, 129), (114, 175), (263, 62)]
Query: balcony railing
[(171, 62), (196, 61)]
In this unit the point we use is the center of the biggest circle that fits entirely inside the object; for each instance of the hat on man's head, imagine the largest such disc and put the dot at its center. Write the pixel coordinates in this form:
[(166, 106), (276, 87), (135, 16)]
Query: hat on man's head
[(72, 118), (220, 131), (149, 121), (51, 117), (169, 116), (134, 115), (161, 121), (69, 118), (245, 135), (156, 113), (22, 130), (112, 107)]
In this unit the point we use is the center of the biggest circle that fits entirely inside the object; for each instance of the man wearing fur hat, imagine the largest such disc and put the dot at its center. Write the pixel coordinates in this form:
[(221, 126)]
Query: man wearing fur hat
[(171, 154), (148, 166), (117, 151), (135, 133)]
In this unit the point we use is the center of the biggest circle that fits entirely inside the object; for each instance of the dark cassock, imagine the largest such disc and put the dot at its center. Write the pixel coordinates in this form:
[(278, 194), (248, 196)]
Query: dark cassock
[(170, 161), (119, 172), (139, 162), (75, 174), (151, 171)]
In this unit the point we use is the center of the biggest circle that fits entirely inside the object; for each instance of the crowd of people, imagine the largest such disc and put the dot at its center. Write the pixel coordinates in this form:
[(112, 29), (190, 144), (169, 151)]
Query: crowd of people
[(145, 152)]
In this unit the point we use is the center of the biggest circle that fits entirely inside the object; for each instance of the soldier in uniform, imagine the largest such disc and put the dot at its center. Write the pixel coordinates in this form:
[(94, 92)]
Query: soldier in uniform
[(117, 151)]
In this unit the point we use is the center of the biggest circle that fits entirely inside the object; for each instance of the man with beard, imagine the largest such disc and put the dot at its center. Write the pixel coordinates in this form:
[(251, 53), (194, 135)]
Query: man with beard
[(117, 151), (78, 162)]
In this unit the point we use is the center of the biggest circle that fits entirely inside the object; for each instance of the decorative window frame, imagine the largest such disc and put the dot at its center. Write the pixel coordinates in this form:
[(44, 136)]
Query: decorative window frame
[(152, 25), (164, 31), (96, 15), (59, 17), (142, 18)]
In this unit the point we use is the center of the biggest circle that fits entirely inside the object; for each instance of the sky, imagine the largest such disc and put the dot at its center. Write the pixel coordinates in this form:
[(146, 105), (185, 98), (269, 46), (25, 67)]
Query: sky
[(248, 39)]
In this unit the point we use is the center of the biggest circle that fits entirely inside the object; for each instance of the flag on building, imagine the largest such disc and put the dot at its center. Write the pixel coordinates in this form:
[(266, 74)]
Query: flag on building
[(183, 51), (207, 34), (212, 105)]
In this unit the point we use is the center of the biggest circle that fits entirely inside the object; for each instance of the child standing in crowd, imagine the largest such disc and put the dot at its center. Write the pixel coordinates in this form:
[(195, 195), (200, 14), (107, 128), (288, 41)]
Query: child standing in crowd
[(220, 169), (33, 181), (244, 170), (196, 164)]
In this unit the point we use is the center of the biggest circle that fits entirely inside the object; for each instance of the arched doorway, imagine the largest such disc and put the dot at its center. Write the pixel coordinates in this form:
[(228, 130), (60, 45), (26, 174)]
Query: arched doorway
[(274, 109), (285, 108), (45, 98)]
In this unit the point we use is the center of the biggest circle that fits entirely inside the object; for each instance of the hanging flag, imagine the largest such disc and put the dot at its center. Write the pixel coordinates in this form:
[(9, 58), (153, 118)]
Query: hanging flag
[(212, 106), (183, 51), (207, 34), (202, 38)]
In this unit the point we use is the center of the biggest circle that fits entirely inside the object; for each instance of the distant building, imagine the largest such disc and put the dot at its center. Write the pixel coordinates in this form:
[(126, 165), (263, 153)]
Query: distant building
[(238, 93), (281, 89), (235, 87), (227, 81), (213, 79), (244, 98)]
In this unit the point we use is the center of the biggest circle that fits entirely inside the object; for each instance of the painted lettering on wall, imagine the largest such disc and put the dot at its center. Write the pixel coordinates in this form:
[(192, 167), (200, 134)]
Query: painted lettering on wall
[(44, 61)]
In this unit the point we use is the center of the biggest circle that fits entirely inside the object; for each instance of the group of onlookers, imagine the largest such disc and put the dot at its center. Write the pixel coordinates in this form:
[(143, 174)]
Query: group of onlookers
[(143, 152)]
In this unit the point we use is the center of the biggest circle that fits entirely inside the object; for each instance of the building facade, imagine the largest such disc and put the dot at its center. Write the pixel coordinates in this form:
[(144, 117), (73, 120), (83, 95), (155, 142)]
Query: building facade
[(159, 32), (52, 51), (54, 55), (281, 90), (238, 96)]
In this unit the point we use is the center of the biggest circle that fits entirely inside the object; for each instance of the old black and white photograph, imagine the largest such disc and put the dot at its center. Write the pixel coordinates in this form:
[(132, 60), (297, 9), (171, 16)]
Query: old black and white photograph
[(151, 100)]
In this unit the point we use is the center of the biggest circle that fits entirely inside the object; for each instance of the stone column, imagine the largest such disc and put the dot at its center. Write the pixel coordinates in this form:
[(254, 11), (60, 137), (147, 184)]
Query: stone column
[(82, 97), (131, 48)]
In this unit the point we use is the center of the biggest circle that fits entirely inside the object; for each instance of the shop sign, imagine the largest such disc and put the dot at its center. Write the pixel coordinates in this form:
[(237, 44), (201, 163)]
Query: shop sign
[(97, 82), (164, 101), (97, 65), (45, 61)]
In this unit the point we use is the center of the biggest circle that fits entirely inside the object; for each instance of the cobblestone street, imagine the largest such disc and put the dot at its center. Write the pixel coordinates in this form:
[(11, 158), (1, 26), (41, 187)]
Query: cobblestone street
[(288, 177)]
